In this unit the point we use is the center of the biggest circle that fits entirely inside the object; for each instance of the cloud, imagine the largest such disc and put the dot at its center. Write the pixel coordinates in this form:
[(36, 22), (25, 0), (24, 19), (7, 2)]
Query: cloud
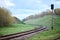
[(6, 3), (24, 8), (57, 2), (29, 7), (32, 4)]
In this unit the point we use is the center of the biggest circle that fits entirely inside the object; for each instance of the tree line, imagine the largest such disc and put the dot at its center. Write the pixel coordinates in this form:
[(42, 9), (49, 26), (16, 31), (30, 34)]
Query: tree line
[(6, 19), (42, 14)]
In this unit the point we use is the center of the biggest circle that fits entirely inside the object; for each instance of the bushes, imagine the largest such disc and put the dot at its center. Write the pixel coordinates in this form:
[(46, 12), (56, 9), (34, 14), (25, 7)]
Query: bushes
[(5, 17)]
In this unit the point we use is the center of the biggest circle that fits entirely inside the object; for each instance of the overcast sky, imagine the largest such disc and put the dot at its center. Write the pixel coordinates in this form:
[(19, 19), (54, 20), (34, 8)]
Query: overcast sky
[(24, 8)]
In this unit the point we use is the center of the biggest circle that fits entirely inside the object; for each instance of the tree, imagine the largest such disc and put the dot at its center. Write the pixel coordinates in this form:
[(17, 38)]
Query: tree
[(5, 17), (57, 11)]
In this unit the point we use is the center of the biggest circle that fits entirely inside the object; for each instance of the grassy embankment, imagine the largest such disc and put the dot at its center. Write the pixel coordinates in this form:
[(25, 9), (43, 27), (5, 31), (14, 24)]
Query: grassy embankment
[(49, 34), (15, 28)]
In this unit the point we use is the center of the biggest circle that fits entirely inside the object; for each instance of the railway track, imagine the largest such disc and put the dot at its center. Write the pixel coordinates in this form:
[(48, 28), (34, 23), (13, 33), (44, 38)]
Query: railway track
[(11, 36)]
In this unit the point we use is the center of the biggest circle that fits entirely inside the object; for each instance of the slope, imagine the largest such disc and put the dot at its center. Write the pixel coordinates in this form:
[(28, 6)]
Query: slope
[(49, 34)]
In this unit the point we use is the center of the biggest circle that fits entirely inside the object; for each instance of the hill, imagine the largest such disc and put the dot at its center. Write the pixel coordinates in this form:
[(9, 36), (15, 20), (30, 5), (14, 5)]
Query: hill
[(46, 20), (42, 14), (49, 34), (17, 21)]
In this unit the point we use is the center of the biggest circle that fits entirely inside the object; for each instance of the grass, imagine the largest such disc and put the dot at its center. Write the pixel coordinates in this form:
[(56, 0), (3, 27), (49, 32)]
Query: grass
[(46, 35), (15, 28), (49, 34), (40, 21)]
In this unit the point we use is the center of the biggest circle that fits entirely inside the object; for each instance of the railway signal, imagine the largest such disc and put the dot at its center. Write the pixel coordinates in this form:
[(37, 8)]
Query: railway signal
[(52, 8)]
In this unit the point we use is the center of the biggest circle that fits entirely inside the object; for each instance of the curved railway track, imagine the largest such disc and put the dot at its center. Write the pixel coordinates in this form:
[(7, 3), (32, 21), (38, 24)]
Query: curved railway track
[(11, 36)]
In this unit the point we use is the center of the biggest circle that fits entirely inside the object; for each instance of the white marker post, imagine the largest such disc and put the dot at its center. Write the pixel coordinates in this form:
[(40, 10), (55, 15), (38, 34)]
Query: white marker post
[(52, 8)]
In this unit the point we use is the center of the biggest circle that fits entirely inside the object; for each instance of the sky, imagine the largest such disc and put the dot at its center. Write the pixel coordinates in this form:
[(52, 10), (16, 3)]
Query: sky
[(23, 8)]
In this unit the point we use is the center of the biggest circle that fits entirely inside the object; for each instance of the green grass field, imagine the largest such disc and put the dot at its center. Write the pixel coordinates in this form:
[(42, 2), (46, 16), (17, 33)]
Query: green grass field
[(46, 35), (15, 28), (49, 34)]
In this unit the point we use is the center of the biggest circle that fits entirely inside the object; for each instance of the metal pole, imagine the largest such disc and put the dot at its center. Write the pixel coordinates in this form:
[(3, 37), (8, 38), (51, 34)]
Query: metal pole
[(52, 20)]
